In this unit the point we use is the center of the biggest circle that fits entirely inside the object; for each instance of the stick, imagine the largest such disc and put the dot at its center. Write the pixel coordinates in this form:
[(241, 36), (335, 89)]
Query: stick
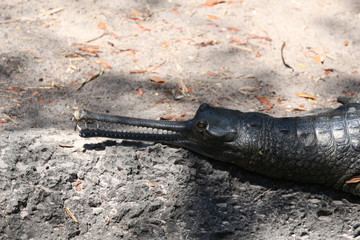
[(282, 56), (8, 117), (90, 79)]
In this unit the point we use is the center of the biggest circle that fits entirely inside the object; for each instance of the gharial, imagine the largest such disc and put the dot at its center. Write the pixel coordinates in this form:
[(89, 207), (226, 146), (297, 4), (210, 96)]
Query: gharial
[(323, 148)]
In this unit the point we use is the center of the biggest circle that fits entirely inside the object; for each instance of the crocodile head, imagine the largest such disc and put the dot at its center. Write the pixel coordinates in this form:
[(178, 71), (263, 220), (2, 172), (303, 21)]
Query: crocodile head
[(211, 132)]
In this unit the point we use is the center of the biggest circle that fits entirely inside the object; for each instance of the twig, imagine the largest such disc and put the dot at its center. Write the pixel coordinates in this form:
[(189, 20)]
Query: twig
[(52, 11), (11, 20), (262, 194), (242, 48), (8, 117), (95, 76), (282, 56), (16, 20), (96, 38), (68, 212)]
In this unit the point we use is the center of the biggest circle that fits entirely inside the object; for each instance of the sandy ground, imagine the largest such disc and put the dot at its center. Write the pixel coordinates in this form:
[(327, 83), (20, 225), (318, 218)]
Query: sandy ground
[(161, 59)]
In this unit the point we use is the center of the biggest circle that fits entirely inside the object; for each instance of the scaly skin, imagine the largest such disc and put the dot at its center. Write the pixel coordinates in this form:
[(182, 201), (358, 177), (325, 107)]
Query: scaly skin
[(322, 148)]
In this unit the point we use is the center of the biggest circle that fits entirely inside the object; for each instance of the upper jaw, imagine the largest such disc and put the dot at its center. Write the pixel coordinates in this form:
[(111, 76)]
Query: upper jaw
[(103, 125)]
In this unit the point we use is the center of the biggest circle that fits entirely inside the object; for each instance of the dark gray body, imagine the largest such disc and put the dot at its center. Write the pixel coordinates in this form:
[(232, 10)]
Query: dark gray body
[(322, 148)]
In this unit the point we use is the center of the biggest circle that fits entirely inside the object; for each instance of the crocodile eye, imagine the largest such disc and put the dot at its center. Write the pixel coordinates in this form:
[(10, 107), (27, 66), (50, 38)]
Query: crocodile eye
[(201, 126)]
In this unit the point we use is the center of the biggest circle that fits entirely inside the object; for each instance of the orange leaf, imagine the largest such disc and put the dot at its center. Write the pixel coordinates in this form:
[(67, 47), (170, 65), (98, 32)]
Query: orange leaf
[(136, 13), (354, 179), (138, 71), (263, 99), (104, 64), (318, 59), (346, 43), (174, 10), (279, 101), (143, 28), (41, 100), (165, 44), (90, 49), (210, 3), (77, 183), (305, 95), (212, 16), (101, 25), (139, 91), (266, 101), (157, 79), (232, 29), (135, 60), (3, 121)]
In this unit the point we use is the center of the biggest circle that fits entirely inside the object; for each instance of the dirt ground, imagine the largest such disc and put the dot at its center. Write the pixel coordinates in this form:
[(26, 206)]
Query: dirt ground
[(161, 59)]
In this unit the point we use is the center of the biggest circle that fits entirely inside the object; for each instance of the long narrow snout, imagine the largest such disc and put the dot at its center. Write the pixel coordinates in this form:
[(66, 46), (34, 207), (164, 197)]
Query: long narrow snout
[(103, 125)]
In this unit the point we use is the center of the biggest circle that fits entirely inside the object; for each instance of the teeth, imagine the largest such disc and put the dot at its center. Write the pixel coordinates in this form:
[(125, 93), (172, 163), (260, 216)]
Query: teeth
[(121, 128)]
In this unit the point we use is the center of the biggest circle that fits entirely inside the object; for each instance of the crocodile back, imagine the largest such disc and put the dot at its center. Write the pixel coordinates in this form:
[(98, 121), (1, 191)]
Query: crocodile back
[(322, 148)]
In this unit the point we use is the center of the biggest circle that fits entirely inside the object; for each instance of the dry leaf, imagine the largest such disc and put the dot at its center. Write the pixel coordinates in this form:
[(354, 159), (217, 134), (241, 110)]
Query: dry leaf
[(102, 25), (16, 89), (77, 183), (354, 179), (138, 71), (328, 70), (258, 54), (212, 16), (238, 41), (35, 93), (279, 101), (165, 44), (305, 95), (260, 37), (103, 64), (65, 145), (143, 28), (266, 101), (68, 212), (157, 79), (212, 74), (210, 3), (41, 99), (346, 43), (174, 10), (203, 44), (232, 29), (349, 93), (3, 121), (168, 117), (139, 91), (318, 59), (136, 13), (90, 49)]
